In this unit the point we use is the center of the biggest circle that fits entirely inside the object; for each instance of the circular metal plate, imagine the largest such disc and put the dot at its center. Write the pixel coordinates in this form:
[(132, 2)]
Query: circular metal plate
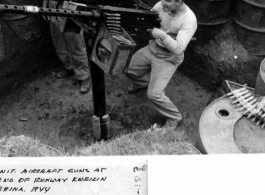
[(216, 127), (249, 138)]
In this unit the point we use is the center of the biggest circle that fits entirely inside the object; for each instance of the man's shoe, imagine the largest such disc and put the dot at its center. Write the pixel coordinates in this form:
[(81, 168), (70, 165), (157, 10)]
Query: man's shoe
[(132, 89), (85, 86), (170, 125), (64, 73)]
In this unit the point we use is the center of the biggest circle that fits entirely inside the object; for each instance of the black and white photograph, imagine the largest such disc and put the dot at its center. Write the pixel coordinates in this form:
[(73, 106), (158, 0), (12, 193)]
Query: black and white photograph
[(137, 79)]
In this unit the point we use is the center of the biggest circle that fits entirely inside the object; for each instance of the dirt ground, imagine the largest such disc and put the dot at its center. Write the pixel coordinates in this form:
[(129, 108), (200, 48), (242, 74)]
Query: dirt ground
[(54, 111)]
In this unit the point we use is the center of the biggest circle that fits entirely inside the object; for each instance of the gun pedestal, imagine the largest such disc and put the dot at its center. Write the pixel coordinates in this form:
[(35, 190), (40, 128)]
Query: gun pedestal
[(98, 89), (110, 57), (99, 101)]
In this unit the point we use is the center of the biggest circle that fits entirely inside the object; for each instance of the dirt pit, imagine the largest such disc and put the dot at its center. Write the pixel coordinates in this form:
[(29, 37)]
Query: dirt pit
[(54, 112)]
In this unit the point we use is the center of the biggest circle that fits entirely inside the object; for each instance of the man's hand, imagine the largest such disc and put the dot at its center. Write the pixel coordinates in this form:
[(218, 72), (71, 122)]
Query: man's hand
[(158, 33)]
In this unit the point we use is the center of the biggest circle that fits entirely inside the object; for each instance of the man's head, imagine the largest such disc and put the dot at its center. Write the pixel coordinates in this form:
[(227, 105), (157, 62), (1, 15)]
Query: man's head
[(171, 5)]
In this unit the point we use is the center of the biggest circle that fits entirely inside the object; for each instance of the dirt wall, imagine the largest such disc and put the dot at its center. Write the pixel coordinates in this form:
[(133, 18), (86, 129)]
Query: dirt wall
[(24, 60), (222, 58)]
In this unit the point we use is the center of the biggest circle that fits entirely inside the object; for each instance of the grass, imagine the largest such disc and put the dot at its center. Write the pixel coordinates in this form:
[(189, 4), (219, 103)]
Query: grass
[(23, 146), (140, 143), (149, 142)]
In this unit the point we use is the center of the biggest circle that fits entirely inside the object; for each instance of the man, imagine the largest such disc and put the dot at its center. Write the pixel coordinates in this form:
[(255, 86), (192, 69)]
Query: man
[(71, 49), (162, 57)]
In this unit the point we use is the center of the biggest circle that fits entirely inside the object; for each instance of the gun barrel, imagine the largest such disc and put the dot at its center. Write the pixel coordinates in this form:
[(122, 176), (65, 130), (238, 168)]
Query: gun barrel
[(26, 9), (125, 17)]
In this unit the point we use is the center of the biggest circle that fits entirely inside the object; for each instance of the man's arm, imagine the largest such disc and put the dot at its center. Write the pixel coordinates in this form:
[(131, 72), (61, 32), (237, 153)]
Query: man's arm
[(182, 40), (179, 43)]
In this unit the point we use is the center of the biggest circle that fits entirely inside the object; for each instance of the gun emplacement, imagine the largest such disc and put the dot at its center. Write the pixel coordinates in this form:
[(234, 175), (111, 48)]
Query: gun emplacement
[(113, 46)]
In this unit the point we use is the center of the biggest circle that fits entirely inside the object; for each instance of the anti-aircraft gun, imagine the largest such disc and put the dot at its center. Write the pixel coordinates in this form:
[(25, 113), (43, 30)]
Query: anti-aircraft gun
[(107, 21), (99, 10)]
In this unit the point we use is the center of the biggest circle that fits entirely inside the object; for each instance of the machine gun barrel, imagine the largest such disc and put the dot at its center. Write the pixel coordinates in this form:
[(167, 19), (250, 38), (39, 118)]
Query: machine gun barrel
[(25, 9), (125, 17)]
